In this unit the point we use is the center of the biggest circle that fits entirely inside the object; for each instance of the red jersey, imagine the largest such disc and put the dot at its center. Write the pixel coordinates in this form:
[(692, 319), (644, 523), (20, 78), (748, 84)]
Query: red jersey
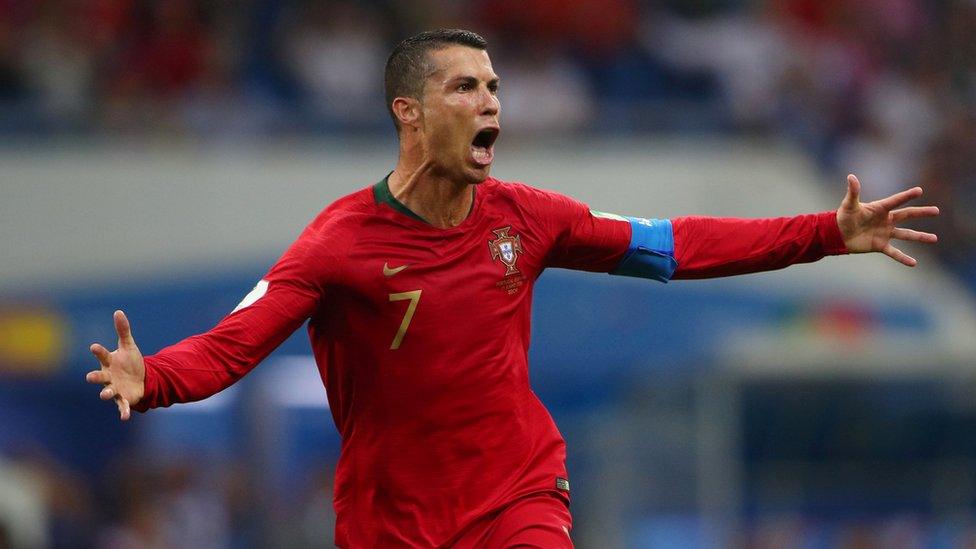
[(421, 337)]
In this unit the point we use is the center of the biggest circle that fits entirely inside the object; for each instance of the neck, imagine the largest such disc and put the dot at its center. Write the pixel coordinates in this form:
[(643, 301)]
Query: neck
[(437, 199)]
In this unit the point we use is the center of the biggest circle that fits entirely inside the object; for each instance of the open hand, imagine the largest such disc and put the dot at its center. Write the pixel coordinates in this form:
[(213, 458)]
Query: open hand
[(870, 227), (123, 372)]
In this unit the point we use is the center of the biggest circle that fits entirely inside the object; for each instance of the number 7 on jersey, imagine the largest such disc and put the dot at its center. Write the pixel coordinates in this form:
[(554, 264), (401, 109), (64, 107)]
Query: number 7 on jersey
[(414, 297)]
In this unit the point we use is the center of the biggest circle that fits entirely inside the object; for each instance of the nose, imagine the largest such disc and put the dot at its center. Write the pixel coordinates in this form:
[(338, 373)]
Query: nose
[(490, 105)]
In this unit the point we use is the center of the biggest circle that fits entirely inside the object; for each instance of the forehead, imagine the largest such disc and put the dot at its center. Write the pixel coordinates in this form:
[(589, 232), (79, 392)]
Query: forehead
[(456, 60)]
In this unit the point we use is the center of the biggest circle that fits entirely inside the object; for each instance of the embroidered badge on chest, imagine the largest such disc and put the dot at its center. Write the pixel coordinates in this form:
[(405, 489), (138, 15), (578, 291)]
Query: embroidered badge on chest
[(506, 248)]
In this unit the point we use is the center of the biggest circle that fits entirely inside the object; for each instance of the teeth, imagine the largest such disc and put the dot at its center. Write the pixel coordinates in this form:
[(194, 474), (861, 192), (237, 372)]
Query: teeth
[(481, 154)]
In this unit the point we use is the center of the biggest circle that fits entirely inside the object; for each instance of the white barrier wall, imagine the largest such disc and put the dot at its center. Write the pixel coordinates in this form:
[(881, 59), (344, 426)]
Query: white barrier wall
[(107, 210), (72, 215)]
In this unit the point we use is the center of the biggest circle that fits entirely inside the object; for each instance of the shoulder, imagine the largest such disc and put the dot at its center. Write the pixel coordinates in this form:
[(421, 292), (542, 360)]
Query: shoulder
[(526, 197), (319, 253), (335, 226), (532, 199)]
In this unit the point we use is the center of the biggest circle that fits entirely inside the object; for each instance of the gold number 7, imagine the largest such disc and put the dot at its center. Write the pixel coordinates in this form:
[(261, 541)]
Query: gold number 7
[(414, 297)]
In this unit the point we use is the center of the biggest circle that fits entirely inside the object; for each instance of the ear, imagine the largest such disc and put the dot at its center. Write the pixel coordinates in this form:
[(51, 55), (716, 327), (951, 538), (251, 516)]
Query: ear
[(407, 111)]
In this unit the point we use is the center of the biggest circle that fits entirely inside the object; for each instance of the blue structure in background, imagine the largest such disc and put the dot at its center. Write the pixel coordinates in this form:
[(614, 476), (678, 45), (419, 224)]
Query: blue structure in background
[(596, 339)]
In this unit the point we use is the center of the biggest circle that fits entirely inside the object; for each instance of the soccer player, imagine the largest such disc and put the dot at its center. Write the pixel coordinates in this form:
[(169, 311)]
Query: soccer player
[(417, 291)]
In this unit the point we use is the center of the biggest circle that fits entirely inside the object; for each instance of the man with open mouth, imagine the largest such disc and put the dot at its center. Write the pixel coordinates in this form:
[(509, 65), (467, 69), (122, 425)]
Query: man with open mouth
[(418, 292)]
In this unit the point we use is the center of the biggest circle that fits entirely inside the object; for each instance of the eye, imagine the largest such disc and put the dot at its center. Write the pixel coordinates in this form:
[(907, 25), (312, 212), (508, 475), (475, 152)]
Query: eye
[(466, 86)]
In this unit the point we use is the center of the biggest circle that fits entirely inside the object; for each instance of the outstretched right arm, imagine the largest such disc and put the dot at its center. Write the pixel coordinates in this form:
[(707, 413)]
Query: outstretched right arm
[(204, 364)]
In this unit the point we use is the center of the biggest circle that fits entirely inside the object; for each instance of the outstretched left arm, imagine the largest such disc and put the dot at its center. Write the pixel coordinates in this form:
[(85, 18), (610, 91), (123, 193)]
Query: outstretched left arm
[(709, 247), (706, 247)]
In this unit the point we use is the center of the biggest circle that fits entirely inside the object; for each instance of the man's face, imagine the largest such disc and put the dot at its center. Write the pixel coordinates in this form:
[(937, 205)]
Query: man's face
[(460, 114)]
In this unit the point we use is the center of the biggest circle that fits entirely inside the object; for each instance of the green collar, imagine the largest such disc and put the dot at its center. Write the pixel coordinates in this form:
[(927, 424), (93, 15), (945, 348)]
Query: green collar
[(382, 194)]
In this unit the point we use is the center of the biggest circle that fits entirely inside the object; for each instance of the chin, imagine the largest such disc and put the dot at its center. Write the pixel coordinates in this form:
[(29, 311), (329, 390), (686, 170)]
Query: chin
[(479, 180), (477, 175)]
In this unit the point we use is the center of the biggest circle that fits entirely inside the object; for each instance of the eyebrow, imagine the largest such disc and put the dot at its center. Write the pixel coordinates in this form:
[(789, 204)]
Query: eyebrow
[(471, 79)]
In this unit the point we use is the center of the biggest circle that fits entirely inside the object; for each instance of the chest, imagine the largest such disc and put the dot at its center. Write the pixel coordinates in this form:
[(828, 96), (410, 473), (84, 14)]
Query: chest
[(406, 282)]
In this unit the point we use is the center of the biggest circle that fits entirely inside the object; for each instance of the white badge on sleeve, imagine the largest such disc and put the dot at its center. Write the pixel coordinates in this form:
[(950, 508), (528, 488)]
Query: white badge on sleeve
[(257, 293)]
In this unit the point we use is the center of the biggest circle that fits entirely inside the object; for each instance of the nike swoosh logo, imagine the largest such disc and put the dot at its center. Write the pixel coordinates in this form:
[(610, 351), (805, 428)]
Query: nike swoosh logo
[(387, 271)]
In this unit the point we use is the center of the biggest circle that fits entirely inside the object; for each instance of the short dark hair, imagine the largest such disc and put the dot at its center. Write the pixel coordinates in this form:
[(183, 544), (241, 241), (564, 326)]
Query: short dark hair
[(408, 66)]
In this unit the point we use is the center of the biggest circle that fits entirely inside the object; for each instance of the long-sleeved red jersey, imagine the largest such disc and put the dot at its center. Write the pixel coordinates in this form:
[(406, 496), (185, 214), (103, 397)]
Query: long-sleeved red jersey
[(421, 337)]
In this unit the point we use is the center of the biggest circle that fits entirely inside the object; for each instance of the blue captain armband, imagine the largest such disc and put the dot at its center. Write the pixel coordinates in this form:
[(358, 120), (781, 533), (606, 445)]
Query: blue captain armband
[(651, 251)]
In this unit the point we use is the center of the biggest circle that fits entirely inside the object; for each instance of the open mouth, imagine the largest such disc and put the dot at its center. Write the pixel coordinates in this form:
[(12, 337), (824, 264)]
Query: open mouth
[(482, 146)]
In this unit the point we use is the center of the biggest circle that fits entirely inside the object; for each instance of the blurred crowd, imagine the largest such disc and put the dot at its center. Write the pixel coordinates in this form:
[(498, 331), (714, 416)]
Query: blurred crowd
[(886, 88), (881, 87), (142, 502)]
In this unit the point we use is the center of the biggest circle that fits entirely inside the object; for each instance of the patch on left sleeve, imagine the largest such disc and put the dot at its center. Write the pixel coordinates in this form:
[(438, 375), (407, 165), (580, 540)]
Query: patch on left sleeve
[(257, 293)]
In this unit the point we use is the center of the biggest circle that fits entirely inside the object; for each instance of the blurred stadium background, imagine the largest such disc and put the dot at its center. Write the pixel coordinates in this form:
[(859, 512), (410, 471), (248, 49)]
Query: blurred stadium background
[(157, 156)]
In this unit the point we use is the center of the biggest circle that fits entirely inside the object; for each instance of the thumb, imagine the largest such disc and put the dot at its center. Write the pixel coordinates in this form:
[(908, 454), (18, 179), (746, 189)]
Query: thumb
[(853, 197), (124, 330)]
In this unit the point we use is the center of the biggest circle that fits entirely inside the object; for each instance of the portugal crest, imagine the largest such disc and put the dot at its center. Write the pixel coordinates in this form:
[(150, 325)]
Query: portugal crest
[(506, 248)]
